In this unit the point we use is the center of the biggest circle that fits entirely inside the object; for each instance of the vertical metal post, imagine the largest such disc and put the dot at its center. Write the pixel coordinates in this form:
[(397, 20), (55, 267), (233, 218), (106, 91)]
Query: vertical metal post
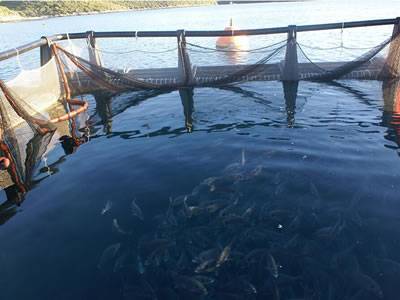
[(104, 110), (45, 53), (186, 95), (290, 94), (94, 56), (392, 64), (290, 71), (185, 74)]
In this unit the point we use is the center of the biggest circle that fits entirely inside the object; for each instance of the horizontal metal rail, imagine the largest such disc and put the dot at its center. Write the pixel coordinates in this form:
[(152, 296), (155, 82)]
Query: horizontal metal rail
[(193, 33)]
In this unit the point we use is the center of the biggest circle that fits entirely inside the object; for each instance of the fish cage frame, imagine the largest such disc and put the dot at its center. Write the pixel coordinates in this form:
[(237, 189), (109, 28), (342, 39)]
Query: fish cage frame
[(288, 70)]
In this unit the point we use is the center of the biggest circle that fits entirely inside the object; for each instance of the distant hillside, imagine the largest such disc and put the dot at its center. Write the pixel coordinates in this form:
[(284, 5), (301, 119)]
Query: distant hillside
[(30, 9), (253, 1)]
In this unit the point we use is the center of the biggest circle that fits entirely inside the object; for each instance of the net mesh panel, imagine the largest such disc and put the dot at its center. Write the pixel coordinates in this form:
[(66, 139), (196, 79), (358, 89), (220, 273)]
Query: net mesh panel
[(40, 87), (20, 112), (204, 62), (126, 54), (22, 145), (24, 121), (228, 60), (139, 64), (335, 54)]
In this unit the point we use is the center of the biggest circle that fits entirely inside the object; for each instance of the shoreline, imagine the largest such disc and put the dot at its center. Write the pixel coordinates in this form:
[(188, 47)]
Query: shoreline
[(18, 18)]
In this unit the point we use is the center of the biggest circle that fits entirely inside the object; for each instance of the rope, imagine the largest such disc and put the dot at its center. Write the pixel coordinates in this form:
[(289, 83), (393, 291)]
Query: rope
[(235, 50), (18, 60), (341, 35), (129, 82), (334, 48), (22, 113), (133, 51), (12, 168), (246, 71), (71, 113), (319, 48), (306, 56)]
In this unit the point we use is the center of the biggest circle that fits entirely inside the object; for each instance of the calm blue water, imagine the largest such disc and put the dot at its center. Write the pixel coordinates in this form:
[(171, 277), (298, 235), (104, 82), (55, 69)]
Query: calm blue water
[(272, 195)]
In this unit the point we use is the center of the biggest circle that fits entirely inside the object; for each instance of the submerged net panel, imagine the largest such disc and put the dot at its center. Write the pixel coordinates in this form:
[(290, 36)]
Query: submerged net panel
[(98, 77), (139, 64), (344, 54), (127, 54), (14, 143), (207, 65), (229, 60), (18, 112), (27, 96), (39, 87), (22, 103)]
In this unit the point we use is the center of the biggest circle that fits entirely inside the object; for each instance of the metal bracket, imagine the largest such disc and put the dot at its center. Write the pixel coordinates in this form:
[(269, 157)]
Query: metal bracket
[(290, 71)]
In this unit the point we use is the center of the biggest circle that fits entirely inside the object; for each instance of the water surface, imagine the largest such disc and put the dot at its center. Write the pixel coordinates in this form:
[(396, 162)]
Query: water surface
[(293, 189)]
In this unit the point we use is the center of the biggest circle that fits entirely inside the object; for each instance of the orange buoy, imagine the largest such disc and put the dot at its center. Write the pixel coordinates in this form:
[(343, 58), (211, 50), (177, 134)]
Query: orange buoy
[(232, 42)]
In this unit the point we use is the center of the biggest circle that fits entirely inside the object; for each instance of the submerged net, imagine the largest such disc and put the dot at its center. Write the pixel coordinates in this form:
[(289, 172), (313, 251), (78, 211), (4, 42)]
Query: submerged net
[(79, 68), (200, 63), (76, 68), (370, 62)]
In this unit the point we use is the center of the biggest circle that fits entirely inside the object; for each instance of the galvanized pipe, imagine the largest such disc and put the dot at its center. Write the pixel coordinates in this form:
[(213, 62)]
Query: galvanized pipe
[(195, 33)]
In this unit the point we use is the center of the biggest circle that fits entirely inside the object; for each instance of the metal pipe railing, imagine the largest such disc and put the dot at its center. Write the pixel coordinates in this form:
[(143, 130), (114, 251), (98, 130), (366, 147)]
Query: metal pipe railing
[(193, 33)]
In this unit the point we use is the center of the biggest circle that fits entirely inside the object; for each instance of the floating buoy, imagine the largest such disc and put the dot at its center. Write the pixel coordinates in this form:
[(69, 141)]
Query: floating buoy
[(232, 42)]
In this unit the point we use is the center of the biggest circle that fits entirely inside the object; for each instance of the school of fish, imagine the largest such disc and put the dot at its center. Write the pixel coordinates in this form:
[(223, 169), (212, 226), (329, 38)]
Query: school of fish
[(237, 236)]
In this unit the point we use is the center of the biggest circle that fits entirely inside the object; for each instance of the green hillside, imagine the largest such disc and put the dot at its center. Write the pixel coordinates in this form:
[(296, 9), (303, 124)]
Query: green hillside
[(57, 8)]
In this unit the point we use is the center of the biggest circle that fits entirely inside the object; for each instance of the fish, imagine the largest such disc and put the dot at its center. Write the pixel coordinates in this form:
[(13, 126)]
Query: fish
[(205, 279), (346, 261), (177, 201), (193, 211), (206, 266), (243, 162), (107, 207), (224, 256), (365, 282), (248, 212), (120, 262), (240, 286), (140, 289), (254, 255), (271, 265), (215, 207), (118, 228), (388, 266), (314, 191), (148, 247), (170, 218), (360, 295), (206, 255), (136, 210), (280, 188), (108, 254), (190, 284), (140, 265)]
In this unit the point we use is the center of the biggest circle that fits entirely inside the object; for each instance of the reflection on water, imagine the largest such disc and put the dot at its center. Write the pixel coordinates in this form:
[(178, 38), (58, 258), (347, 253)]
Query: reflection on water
[(27, 152), (107, 107), (265, 199), (186, 96), (391, 111)]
